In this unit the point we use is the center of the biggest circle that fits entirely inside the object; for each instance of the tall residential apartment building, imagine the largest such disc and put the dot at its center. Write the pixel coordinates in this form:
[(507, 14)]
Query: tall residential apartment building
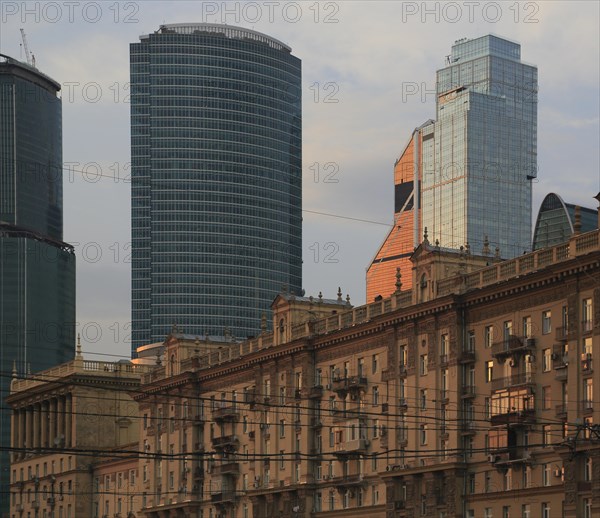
[(37, 269), (476, 162), (216, 179), (472, 394)]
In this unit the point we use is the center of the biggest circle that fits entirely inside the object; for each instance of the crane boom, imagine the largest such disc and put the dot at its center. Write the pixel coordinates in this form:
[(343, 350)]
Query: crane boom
[(27, 54)]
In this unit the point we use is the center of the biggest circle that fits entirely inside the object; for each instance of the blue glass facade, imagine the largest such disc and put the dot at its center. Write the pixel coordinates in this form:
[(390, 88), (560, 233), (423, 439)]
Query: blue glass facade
[(480, 155), (216, 179), (37, 269)]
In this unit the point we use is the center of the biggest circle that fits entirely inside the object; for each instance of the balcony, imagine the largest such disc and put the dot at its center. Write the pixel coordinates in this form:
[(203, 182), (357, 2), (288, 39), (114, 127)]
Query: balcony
[(522, 378), (586, 363), (226, 442), (468, 391), (348, 481), (349, 384), (223, 497), (586, 406), (469, 427), (402, 370), (587, 326), (401, 436), (353, 447), (315, 392), (514, 457), (226, 413), (560, 361), (563, 333), (316, 422), (515, 418), (511, 346), (467, 356), (228, 468), (560, 411)]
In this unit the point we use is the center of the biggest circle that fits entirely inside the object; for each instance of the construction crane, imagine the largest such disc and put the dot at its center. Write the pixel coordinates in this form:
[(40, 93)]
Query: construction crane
[(28, 56)]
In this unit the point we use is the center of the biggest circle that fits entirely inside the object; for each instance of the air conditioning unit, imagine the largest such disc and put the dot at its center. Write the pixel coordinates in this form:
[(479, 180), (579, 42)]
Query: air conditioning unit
[(492, 458), (389, 467)]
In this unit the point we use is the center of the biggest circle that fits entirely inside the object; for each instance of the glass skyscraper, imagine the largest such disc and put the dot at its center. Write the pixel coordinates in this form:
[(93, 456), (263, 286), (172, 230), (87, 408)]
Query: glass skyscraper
[(216, 179), (37, 269), (468, 174), (480, 156)]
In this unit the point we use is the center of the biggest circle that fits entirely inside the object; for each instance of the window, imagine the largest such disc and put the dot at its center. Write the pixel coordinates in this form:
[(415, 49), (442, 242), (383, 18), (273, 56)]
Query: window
[(546, 480), (525, 511), (507, 330), (546, 397), (526, 477), (588, 391), (318, 502), (547, 435), (488, 336), (487, 408), (471, 342), (423, 365), (375, 396), (505, 511), (444, 345), (489, 371), (423, 434), (527, 327), (281, 459), (545, 510), (423, 399), (282, 428), (587, 508), (507, 480), (547, 360), (587, 469), (403, 355), (587, 315), (546, 322), (487, 512), (374, 363), (318, 378), (374, 495)]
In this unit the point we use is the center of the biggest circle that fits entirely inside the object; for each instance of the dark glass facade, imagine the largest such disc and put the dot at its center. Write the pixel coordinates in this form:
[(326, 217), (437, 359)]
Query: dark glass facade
[(556, 219), (37, 270), (216, 179)]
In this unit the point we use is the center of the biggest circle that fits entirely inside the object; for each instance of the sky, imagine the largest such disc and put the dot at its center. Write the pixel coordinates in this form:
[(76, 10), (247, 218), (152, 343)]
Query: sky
[(368, 80)]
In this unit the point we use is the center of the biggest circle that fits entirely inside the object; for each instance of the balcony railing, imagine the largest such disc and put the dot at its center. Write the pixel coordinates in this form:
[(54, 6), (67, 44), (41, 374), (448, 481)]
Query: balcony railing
[(561, 411), (227, 412), (512, 345), (467, 356), (522, 378), (468, 391), (349, 383), (355, 446), (517, 417), (227, 468), (226, 442), (348, 481), (223, 497)]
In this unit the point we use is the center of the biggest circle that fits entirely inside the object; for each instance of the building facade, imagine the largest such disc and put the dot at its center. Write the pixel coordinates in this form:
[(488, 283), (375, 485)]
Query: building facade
[(476, 162), (473, 394), (216, 179), (37, 269), (74, 444)]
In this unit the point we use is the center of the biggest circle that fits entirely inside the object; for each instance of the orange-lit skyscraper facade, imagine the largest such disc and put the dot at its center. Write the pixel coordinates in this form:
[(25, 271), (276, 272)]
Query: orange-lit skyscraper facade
[(402, 239)]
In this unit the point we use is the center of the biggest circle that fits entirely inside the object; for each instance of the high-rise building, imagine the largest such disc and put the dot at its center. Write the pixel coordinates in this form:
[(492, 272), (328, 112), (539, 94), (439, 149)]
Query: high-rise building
[(478, 158), (216, 179), (37, 269)]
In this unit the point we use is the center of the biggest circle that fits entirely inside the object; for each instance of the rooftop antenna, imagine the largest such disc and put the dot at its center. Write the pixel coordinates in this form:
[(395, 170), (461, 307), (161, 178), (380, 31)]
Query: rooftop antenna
[(28, 56)]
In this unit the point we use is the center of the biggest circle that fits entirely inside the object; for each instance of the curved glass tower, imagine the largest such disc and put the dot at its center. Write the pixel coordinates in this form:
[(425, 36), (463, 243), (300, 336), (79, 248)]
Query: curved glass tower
[(37, 269), (216, 179)]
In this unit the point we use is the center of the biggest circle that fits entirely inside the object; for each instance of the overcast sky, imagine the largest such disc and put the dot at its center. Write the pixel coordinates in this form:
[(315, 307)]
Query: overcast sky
[(375, 62)]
